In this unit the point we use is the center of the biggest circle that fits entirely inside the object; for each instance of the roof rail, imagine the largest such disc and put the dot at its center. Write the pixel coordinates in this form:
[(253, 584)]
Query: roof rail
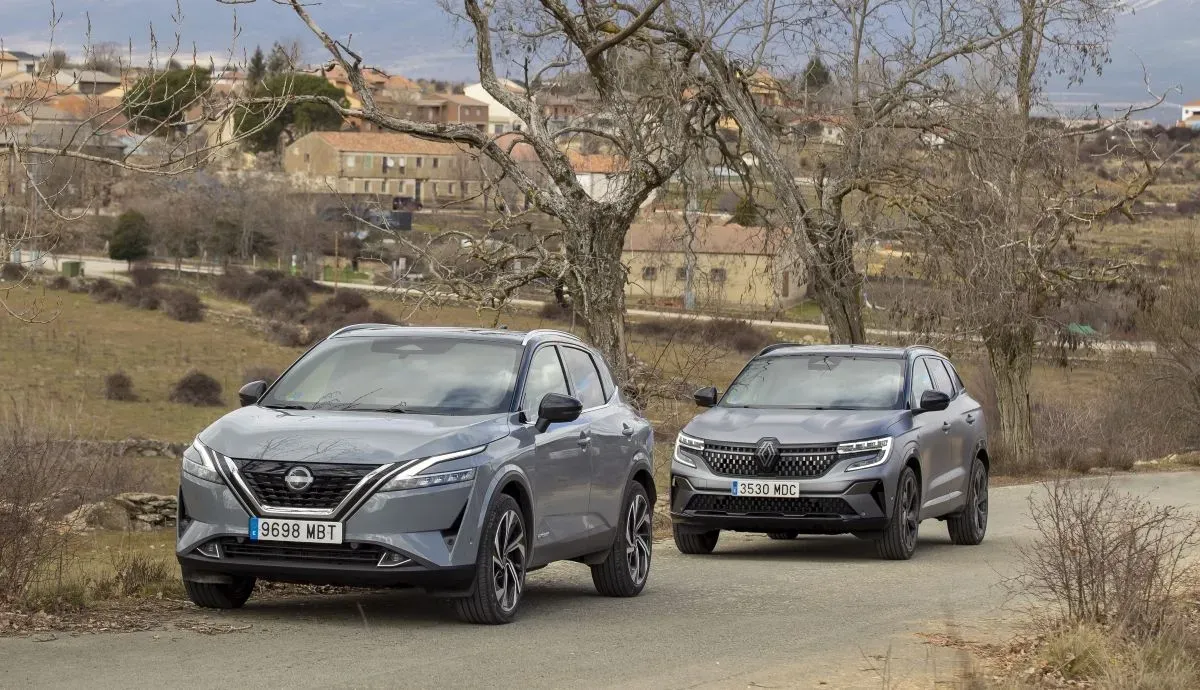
[(359, 327), (539, 331), (776, 346)]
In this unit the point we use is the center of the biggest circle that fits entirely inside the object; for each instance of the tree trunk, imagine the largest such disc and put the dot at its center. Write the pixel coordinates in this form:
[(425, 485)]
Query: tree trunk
[(598, 286), (1010, 358), (835, 283)]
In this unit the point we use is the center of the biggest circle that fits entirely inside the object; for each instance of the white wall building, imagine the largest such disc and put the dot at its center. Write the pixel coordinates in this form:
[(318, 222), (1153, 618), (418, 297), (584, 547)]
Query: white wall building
[(500, 119)]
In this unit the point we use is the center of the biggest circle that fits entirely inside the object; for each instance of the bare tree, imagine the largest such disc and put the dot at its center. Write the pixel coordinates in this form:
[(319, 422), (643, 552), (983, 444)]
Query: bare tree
[(644, 120)]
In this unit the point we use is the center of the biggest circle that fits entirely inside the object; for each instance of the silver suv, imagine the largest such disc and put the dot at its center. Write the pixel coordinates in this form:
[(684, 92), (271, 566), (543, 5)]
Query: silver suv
[(455, 460), (834, 439)]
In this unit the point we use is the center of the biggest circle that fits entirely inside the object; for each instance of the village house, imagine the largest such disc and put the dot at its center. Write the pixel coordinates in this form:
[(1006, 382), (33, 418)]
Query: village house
[(500, 119), (13, 62), (378, 163), (1191, 115), (751, 268)]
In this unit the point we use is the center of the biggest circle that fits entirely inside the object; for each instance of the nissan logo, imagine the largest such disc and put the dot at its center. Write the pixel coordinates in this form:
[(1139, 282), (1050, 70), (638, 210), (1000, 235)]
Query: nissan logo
[(298, 479)]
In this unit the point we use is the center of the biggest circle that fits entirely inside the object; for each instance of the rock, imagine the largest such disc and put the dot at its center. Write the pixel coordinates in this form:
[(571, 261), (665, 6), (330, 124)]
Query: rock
[(102, 515)]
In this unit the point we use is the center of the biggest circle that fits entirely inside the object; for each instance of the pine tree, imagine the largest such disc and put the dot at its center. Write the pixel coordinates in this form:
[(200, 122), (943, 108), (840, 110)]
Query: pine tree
[(816, 75), (257, 69)]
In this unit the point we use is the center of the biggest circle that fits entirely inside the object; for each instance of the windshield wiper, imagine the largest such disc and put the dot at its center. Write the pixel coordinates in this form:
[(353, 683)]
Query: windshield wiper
[(285, 407)]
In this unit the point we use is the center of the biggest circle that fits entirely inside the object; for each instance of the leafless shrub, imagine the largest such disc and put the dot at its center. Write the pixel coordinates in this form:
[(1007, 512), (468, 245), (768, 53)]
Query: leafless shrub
[(285, 334), (182, 305), (119, 386), (321, 325), (58, 283), (104, 290), (148, 298), (260, 373), (46, 475), (197, 388), (241, 285), (13, 272), (1105, 557), (143, 276), (135, 574), (292, 287), (733, 334), (272, 304)]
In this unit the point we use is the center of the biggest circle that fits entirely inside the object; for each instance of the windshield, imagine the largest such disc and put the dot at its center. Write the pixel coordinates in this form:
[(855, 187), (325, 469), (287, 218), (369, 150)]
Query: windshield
[(819, 382), (415, 374)]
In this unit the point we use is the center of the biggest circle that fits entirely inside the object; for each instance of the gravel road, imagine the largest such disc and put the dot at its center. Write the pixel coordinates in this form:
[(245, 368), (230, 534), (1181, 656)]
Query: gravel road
[(809, 613)]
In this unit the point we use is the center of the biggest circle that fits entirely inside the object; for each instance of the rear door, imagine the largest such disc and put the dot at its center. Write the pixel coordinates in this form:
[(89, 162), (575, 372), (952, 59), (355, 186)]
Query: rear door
[(560, 473), (607, 448), (933, 435)]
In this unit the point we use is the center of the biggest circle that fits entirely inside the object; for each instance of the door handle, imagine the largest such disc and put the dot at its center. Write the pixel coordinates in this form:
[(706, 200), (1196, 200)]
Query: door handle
[(626, 429), (946, 427), (584, 438), (970, 419)]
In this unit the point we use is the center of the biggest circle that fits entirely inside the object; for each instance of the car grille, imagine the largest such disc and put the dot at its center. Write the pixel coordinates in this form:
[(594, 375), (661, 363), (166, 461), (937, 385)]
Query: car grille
[(794, 461), (331, 483), (323, 554), (765, 505)]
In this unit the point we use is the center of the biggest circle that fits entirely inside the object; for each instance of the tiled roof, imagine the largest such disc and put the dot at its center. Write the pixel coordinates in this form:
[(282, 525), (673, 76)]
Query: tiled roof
[(1193, 104), (387, 142), (664, 232)]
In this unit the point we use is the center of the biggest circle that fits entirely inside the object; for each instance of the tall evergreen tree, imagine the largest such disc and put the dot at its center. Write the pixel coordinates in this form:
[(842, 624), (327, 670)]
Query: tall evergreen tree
[(816, 75), (256, 71)]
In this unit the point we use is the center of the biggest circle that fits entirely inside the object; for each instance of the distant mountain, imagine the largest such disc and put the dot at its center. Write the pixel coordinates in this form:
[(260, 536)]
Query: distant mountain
[(418, 39)]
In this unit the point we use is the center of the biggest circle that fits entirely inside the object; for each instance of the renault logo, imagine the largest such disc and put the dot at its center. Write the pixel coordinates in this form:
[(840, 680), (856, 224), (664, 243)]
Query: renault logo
[(767, 453), (298, 479)]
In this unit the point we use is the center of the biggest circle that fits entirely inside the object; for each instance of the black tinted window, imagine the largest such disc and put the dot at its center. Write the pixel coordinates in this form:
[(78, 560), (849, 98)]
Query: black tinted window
[(958, 384), (819, 382), (584, 376), (545, 376), (941, 380)]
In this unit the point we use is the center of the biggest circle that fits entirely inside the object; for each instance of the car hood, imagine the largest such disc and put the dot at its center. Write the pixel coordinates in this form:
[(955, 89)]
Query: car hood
[(798, 427), (346, 436)]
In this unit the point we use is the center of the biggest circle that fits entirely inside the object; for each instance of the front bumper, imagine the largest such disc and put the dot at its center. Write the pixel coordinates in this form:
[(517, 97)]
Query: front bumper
[(406, 538), (834, 503)]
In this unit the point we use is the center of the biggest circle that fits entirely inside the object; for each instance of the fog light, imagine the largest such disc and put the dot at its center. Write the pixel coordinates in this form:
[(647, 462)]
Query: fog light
[(391, 559), (211, 550)]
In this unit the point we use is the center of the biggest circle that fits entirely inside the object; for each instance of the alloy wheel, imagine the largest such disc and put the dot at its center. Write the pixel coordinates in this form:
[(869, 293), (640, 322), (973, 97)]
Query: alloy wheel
[(637, 539), (909, 500), (979, 512), (508, 560)]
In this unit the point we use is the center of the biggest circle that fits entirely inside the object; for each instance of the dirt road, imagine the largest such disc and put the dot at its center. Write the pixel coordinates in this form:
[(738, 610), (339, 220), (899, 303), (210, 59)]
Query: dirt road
[(757, 613)]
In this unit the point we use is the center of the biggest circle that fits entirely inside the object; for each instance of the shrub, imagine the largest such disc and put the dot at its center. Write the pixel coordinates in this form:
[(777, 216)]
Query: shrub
[(737, 335), (286, 334), (12, 272), (272, 304), (343, 302), (59, 283), (104, 290), (259, 373), (1104, 557), (196, 388), (118, 386), (148, 298), (294, 288), (240, 285), (143, 276), (553, 311), (321, 327), (131, 239), (182, 305)]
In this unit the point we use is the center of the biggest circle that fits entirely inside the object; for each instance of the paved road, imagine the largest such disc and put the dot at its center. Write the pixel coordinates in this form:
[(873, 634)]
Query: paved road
[(755, 614), (99, 266)]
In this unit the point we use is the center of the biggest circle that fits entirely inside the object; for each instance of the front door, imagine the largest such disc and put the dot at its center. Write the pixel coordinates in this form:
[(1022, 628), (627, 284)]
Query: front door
[(933, 438), (560, 473)]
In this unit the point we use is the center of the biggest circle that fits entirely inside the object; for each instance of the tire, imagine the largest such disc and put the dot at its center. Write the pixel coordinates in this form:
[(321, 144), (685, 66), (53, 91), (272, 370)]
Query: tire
[(625, 572), (695, 543), (496, 594), (782, 536), (968, 527), (211, 595), (899, 540)]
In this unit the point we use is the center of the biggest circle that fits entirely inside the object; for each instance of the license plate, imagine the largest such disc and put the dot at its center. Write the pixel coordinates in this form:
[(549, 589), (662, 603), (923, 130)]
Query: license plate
[(302, 531), (765, 487)]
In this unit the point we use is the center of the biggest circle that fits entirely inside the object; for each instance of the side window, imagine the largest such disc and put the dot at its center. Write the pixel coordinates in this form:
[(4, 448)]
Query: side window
[(941, 380), (584, 376), (958, 383), (545, 376), (921, 381)]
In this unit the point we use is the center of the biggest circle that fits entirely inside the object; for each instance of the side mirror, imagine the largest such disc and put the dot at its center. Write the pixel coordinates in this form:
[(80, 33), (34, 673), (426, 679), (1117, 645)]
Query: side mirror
[(556, 407), (932, 401), (706, 397), (252, 392)]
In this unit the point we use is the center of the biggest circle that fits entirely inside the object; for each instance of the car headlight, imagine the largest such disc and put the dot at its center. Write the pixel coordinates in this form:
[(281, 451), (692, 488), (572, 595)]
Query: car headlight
[(200, 462), (876, 451), (415, 478), (687, 444), (421, 481)]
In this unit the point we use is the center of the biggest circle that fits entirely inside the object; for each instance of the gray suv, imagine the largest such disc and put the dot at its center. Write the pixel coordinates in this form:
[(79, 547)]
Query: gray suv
[(830, 440), (455, 460)]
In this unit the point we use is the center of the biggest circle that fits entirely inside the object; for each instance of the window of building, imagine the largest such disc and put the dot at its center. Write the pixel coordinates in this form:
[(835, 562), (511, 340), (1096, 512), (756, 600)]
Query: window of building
[(650, 273), (435, 189), (681, 274), (307, 158), (717, 275), (366, 185), (420, 161), (451, 191), (498, 129), (368, 161), (351, 161), (435, 162)]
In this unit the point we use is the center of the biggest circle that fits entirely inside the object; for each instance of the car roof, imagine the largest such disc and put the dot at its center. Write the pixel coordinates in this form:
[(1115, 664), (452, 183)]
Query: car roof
[(786, 349), (373, 330)]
